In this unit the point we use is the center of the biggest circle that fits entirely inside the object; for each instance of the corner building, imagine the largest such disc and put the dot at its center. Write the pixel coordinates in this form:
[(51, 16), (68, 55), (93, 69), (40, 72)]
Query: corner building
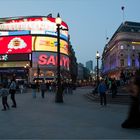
[(28, 48), (122, 52)]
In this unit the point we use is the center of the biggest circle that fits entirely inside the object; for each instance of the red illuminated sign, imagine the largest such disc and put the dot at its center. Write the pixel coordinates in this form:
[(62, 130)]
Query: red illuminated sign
[(15, 44), (49, 60), (52, 60)]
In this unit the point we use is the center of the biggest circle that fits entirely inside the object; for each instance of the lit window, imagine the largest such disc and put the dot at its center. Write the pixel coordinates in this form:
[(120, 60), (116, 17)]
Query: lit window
[(133, 47), (122, 62), (121, 47), (35, 74)]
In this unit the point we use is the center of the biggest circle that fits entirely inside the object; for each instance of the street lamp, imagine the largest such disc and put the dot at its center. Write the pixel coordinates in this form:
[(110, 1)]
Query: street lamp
[(27, 67), (38, 72), (97, 57), (59, 94)]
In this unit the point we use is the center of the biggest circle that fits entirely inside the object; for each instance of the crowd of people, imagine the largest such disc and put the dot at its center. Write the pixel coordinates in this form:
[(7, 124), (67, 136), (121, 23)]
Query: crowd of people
[(67, 88), (11, 87), (132, 82)]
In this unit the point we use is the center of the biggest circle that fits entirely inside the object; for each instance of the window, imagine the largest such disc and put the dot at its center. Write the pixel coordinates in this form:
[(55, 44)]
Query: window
[(121, 47), (133, 62), (122, 62), (133, 47)]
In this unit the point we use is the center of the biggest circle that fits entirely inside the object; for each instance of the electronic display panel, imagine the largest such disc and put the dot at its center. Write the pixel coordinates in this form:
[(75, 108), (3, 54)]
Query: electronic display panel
[(15, 44), (49, 60), (13, 64), (43, 43), (14, 57)]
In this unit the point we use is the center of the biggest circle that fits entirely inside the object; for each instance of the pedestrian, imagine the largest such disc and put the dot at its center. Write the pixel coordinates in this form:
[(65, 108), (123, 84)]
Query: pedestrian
[(43, 88), (12, 91), (114, 88), (133, 119), (4, 92), (102, 89), (34, 88)]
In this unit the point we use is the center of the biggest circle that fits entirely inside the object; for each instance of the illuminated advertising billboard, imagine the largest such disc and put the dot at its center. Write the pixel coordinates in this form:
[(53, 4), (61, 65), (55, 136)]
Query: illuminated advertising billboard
[(13, 64), (49, 59), (15, 57), (50, 33), (15, 44), (33, 24), (43, 43)]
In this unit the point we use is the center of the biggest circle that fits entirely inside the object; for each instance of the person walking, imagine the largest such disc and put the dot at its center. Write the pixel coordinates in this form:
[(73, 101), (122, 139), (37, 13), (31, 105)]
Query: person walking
[(34, 89), (4, 92), (102, 88), (12, 91), (114, 88), (133, 119), (43, 88)]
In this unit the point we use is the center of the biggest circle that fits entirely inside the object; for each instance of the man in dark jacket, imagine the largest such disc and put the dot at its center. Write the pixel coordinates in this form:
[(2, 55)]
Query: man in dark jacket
[(102, 88)]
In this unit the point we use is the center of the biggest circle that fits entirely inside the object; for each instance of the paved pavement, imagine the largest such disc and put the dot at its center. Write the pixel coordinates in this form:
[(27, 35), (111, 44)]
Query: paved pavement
[(76, 118), (122, 97)]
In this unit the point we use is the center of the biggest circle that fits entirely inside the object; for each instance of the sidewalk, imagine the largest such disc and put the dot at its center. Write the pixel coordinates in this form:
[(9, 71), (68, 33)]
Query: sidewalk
[(122, 97), (76, 118)]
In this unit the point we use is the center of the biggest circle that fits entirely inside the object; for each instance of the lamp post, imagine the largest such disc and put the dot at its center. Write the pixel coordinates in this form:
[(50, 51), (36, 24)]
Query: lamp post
[(59, 96), (38, 72), (27, 67), (97, 57)]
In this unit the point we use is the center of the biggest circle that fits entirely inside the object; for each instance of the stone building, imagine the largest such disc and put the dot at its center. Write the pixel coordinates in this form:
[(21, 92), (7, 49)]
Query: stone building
[(122, 52)]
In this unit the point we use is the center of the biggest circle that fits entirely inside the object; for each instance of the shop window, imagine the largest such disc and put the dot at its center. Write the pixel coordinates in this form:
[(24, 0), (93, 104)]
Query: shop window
[(35, 74), (49, 73)]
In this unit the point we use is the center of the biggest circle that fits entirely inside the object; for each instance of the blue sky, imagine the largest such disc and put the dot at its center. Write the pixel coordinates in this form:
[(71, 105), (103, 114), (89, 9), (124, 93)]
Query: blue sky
[(89, 21)]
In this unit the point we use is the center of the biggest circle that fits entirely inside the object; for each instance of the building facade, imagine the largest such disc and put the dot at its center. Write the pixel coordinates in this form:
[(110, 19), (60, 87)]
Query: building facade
[(89, 65), (122, 52), (28, 48)]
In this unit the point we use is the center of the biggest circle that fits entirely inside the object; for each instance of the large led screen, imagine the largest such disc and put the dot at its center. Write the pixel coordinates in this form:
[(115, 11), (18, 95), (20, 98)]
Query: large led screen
[(42, 43), (15, 44), (49, 60), (15, 57)]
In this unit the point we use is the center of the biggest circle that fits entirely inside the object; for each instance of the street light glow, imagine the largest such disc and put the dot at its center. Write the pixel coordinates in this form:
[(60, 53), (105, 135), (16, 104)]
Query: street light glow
[(58, 20), (97, 55)]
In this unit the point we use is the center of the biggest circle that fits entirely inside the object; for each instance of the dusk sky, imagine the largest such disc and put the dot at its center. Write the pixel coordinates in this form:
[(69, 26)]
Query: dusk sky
[(89, 21)]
